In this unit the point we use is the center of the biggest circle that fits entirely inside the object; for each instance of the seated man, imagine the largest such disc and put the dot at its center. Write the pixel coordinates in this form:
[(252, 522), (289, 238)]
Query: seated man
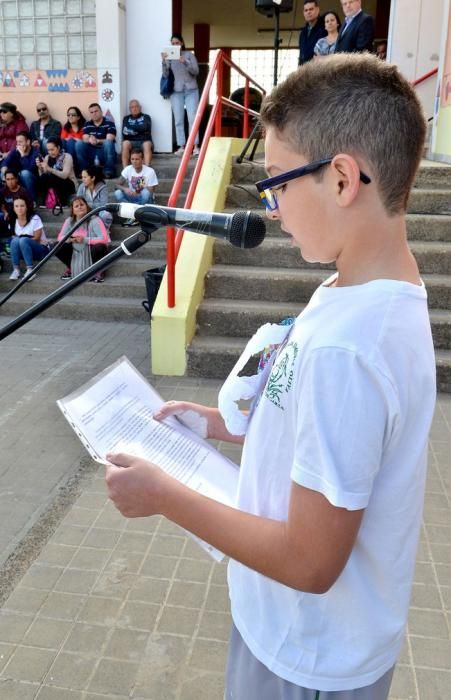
[(98, 145), (136, 133), (137, 182), (22, 160), (44, 128)]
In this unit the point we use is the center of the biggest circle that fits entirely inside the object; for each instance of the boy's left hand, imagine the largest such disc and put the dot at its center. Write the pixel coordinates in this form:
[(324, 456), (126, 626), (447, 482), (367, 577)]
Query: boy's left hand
[(135, 485)]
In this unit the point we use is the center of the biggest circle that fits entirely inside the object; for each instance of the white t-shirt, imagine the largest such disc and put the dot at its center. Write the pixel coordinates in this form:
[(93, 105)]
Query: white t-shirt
[(138, 181), (29, 229), (346, 411)]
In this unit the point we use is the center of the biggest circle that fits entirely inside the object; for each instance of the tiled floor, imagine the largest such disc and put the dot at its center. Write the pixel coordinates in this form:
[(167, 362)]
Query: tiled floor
[(116, 608)]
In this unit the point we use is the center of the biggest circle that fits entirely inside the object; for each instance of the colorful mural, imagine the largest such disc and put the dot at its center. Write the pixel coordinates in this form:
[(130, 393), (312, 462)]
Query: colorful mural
[(49, 80)]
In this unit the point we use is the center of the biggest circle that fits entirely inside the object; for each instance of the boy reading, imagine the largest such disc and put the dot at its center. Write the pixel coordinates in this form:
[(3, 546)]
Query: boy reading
[(323, 541)]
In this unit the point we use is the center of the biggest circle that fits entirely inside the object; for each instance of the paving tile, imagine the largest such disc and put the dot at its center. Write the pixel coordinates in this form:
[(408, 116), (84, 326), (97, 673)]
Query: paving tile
[(94, 501), (76, 581), (114, 583), (42, 576), (101, 611), (90, 558), (48, 692), (71, 671), (433, 684), (149, 590), (148, 525), (215, 625), (177, 620), (435, 653), (62, 606), (86, 639), (428, 623), (129, 562), (29, 664), (83, 517), (5, 652), (204, 686), (56, 554), (209, 655), (425, 596), (193, 570), (159, 567), (189, 595), (167, 545), (126, 644), (70, 534), (403, 684), (17, 690), (138, 615), (25, 600), (114, 676), (102, 538), (134, 541), (47, 633), (13, 626), (218, 598)]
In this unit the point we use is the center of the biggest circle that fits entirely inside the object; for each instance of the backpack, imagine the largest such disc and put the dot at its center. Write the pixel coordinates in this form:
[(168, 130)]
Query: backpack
[(52, 202), (167, 85)]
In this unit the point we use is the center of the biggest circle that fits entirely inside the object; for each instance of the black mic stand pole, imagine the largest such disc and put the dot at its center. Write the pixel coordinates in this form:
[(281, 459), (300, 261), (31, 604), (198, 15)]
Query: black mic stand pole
[(127, 247)]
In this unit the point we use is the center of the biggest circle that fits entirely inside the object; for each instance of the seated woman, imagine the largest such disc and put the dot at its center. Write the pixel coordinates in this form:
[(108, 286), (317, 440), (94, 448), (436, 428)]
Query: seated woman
[(56, 171), (29, 241), (8, 194), (88, 243), (72, 132), (95, 190)]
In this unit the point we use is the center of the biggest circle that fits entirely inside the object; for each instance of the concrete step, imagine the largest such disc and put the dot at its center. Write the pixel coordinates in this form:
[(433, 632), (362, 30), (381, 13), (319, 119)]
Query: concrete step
[(213, 357), (294, 285), (132, 287), (94, 306), (238, 317), (432, 256)]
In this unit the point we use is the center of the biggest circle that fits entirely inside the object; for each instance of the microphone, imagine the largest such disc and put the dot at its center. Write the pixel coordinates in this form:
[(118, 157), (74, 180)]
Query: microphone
[(243, 229)]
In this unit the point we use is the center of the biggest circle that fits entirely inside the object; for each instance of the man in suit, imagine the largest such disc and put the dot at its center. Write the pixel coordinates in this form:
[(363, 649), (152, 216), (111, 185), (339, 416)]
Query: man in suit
[(357, 31), (311, 31)]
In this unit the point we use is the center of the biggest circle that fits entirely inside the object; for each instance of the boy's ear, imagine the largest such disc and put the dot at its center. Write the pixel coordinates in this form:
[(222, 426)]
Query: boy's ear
[(346, 179)]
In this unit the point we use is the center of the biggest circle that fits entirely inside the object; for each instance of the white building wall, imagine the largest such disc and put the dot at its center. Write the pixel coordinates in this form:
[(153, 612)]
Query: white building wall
[(148, 30), (414, 43), (110, 33)]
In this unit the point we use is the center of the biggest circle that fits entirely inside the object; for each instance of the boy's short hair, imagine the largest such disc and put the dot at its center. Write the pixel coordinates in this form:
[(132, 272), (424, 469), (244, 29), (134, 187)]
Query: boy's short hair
[(137, 151), (355, 104)]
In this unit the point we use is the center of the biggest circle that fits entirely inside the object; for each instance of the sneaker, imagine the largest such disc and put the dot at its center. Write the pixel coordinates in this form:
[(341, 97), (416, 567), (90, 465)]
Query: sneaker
[(195, 151), (130, 222), (15, 274), (29, 274), (180, 151), (98, 279), (67, 275)]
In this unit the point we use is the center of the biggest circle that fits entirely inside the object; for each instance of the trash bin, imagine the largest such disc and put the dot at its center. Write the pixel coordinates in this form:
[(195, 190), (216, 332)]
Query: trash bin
[(152, 279)]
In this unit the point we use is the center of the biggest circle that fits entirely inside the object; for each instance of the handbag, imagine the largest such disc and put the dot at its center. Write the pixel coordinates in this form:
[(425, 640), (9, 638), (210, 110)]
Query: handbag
[(52, 202), (167, 84)]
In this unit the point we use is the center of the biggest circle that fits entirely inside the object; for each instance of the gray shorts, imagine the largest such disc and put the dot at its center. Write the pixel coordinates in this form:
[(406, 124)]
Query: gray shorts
[(248, 679)]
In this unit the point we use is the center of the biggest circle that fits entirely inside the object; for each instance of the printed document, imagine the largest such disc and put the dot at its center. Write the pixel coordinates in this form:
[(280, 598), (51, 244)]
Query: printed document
[(113, 412)]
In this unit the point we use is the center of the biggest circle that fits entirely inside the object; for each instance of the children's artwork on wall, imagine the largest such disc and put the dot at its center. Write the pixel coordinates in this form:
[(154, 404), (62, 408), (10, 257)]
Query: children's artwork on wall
[(39, 81), (107, 95), (62, 80), (8, 81), (107, 77), (24, 80), (107, 114)]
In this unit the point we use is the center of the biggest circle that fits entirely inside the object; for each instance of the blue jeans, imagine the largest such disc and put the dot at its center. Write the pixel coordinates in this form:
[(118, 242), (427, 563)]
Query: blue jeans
[(143, 197), (180, 100), (70, 146), (28, 180), (106, 154), (28, 249)]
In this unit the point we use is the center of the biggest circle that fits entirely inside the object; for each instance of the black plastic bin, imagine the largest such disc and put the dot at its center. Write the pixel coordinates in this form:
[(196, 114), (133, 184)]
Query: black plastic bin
[(152, 279)]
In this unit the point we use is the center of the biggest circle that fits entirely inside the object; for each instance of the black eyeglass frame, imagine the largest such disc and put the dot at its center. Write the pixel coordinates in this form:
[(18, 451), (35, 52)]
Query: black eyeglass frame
[(271, 182)]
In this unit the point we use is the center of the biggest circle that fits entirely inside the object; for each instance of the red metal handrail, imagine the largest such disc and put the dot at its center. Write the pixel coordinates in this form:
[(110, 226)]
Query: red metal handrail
[(214, 123), (424, 77)]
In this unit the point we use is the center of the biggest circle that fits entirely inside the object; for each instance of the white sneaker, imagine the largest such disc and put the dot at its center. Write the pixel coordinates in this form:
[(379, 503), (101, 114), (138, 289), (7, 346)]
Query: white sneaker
[(15, 274), (180, 151), (195, 151), (28, 272)]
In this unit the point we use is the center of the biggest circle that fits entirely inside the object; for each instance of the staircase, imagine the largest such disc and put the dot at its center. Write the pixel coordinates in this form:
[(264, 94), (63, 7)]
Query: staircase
[(245, 289), (119, 298)]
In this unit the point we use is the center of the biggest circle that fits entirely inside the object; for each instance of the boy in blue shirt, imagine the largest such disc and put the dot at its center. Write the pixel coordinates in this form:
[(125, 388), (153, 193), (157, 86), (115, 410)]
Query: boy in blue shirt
[(324, 536)]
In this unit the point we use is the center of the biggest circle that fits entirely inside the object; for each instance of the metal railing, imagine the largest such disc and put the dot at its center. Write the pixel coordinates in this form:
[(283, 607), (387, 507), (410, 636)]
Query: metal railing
[(424, 77), (174, 239)]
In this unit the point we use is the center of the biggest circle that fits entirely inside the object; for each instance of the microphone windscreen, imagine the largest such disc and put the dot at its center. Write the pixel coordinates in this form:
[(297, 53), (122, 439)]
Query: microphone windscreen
[(247, 230)]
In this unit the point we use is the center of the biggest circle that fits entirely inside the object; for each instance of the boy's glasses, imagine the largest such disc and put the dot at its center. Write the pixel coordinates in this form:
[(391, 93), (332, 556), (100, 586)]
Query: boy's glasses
[(267, 188)]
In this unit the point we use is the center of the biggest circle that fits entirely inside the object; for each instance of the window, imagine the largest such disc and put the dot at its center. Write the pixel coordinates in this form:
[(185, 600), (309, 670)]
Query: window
[(47, 34)]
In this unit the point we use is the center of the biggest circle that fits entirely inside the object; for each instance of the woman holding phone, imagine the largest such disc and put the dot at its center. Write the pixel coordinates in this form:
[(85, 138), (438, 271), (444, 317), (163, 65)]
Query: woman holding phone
[(186, 91)]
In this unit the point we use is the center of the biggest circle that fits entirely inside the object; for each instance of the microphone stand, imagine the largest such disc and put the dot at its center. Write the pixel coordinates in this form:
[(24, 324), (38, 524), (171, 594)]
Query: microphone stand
[(127, 247), (58, 245)]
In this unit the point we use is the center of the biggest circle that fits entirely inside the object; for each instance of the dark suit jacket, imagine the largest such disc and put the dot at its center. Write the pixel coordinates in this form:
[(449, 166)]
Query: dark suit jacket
[(358, 36), (307, 40)]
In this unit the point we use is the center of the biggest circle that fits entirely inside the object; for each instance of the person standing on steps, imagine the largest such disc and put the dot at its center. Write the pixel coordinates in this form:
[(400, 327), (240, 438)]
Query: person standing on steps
[(186, 91)]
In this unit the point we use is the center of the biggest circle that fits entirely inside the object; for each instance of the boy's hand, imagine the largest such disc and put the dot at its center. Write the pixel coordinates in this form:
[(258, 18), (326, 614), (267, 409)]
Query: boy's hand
[(135, 485), (189, 414)]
